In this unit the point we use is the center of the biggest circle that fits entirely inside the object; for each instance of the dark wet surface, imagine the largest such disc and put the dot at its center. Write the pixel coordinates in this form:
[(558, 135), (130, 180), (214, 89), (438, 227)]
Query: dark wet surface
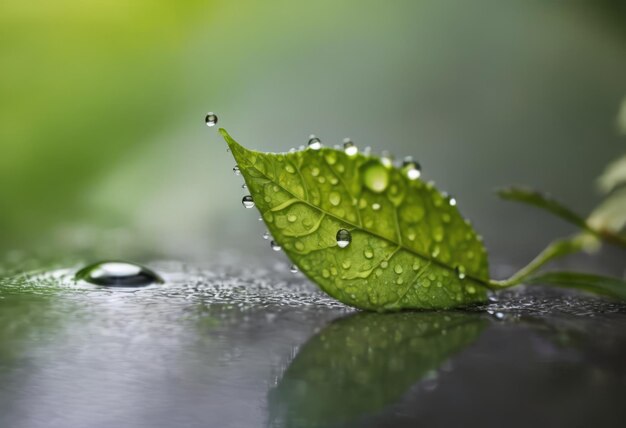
[(264, 348)]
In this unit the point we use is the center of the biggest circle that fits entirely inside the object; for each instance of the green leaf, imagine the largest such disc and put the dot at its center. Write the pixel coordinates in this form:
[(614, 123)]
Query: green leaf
[(410, 247), (610, 215), (361, 364), (612, 287), (543, 201), (614, 176)]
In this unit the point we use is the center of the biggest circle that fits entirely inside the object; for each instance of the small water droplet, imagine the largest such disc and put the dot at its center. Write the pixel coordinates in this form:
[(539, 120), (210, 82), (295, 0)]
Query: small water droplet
[(398, 269), (460, 271), (368, 253), (492, 297), (375, 206), (236, 170), (334, 198), (344, 237), (452, 201), (247, 201), (349, 147), (386, 159), (118, 274), (314, 143), (293, 269), (210, 119), (292, 218), (412, 169), (275, 246), (375, 176), (266, 235), (244, 186)]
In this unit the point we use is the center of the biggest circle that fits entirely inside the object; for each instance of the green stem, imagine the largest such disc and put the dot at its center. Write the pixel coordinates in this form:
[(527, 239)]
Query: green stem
[(556, 249)]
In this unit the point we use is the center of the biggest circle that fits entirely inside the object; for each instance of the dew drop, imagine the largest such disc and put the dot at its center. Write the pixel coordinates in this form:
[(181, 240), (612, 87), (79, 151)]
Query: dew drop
[(460, 271), (236, 170), (210, 119), (292, 218), (386, 159), (349, 147), (375, 206), (412, 169), (275, 246), (334, 198), (375, 176), (314, 143), (452, 202), (118, 274), (244, 186), (343, 238), (368, 253), (247, 201), (398, 269), (293, 269), (266, 235)]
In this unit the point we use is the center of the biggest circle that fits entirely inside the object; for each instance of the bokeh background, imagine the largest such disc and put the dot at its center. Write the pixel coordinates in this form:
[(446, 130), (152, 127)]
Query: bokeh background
[(104, 151)]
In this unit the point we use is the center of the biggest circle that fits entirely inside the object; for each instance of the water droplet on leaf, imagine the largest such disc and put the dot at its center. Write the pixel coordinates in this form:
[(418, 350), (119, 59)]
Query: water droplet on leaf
[(460, 272), (236, 170), (118, 274), (275, 246), (293, 269), (247, 201), (411, 168), (375, 176), (314, 143), (343, 238), (349, 147)]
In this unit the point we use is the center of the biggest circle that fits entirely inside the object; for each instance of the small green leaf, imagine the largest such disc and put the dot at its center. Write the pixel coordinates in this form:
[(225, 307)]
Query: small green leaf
[(614, 176), (545, 202), (611, 287), (365, 362), (610, 215), (402, 244)]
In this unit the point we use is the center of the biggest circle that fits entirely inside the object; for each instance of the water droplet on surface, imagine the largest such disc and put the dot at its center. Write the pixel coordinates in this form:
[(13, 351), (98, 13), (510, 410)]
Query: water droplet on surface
[(452, 201), (275, 246), (368, 253), (334, 198), (375, 206), (210, 119), (460, 272), (349, 147), (266, 235), (412, 169), (118, 274), (398, 269), (386, 159), (343, 238), (244, 186), (236, 170), (292, 218), (247, 201), (375, 176), (293, 269), (314, 143)]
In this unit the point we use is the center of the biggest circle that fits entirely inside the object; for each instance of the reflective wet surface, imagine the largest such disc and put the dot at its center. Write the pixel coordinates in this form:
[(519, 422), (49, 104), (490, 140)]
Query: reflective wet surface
[(264, 348)]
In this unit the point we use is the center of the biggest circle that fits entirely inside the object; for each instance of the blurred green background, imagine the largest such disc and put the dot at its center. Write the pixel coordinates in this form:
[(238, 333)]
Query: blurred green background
[(104, 150)]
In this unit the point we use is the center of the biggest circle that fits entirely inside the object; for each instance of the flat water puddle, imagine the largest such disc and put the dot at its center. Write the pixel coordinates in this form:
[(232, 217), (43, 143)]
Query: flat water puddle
[(264, 348)]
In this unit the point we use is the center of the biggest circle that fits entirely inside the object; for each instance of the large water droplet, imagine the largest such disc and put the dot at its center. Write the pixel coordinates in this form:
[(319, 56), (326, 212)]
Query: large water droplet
[(411, 168), (275, 246), (236, 170), (375, 176), (349, 147), (314, 142), (210, 119), (118, 274), (247, 201), (343, 238)]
